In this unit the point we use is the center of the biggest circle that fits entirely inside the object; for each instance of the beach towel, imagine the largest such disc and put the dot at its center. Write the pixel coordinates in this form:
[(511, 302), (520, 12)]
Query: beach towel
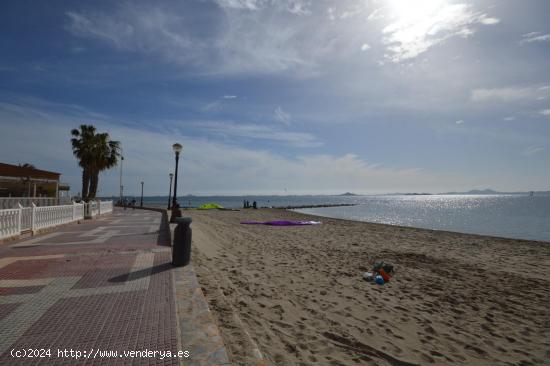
[(281, 223)]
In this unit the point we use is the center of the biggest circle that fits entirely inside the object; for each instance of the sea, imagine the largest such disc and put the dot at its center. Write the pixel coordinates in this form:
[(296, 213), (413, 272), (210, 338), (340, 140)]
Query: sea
[(510, 216)]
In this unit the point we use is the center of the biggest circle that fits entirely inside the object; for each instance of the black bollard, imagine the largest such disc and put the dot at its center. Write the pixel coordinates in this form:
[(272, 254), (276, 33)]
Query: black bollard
[(181, 246)]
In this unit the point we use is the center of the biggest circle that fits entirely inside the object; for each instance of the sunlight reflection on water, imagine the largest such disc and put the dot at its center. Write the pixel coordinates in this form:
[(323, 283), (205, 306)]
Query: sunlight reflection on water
[(511, 216)]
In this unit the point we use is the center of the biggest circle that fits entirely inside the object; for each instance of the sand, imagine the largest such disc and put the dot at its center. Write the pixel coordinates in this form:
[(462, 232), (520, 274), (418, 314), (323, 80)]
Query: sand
[(295, 295)]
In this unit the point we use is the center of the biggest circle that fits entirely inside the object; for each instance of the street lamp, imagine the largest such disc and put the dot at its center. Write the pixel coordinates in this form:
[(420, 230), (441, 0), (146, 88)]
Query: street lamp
[(170, 189), (141, 204), (175, 207), (121, 186)]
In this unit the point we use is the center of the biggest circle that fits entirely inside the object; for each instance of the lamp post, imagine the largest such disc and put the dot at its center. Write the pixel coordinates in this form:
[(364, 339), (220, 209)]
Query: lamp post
[(121, 187), (170, 189), (141, 203), (175, 207)]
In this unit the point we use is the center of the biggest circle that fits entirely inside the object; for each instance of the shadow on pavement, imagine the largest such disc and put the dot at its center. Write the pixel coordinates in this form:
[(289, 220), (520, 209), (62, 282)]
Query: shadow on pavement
[(142, 273)]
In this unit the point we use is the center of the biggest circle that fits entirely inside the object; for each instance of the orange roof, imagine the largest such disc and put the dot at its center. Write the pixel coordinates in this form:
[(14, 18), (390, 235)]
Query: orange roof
[(8, 170)]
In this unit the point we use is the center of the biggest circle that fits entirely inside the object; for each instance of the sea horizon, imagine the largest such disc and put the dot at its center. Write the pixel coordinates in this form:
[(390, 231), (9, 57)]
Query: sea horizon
[(514, 216)]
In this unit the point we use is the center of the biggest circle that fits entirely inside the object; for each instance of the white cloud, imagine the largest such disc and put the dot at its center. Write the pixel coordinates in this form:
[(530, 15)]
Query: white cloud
[(535, 37), (533, 150), (240, 4), (459, 122), (489, 21), (250, 131), (376, 14), (282, 116), (298, 7), (509, 118), (545, 112), (508, 94), (330, 13), (418, 26), (229, 97), (207, 166), (365, 47), (215, 106)]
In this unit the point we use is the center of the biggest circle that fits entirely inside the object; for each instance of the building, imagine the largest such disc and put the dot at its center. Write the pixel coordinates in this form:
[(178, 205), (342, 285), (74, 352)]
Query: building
[(27, 181)]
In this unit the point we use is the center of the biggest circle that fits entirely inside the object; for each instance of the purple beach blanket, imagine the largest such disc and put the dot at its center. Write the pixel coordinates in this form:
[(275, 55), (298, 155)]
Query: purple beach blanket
[(281, 223)]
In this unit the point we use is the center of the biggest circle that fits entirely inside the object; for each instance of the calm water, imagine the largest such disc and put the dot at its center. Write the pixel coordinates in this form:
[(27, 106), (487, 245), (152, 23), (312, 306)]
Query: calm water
[(512, 216)]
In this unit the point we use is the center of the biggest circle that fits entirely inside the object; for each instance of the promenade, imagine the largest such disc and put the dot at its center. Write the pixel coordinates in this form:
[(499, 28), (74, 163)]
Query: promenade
[(103, 289)]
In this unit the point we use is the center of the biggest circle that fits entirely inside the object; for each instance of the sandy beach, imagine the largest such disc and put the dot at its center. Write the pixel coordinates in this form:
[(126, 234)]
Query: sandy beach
[(296, 296)]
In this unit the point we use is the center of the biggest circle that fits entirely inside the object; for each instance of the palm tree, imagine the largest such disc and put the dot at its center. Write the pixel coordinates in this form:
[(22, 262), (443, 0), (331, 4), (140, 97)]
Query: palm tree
[(95, 153), (106, 154)]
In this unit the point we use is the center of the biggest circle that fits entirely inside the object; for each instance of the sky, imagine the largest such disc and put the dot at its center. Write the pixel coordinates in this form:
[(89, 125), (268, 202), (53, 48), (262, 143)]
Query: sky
[(283, 96)]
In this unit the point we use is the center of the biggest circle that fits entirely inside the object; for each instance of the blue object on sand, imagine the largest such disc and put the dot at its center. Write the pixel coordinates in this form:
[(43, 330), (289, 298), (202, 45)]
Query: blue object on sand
[(379, 280)]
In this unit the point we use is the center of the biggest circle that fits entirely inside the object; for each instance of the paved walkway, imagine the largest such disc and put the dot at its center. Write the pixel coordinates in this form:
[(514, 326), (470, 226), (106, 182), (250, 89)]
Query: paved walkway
[(103, 285)]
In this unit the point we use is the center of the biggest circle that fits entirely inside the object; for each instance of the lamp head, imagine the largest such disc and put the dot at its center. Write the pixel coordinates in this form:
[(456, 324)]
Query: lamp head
[(171, 175), (177, 148)]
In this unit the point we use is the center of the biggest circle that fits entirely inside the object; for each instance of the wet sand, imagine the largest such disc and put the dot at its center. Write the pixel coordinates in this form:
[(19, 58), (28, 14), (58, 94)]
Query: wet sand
[(296, 296)]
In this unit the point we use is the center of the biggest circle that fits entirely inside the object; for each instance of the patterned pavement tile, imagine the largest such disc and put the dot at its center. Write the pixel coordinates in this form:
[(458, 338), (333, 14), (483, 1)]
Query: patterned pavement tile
[(95, 286)]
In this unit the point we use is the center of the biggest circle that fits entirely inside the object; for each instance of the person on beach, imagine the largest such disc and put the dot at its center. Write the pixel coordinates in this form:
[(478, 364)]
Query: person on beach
[(254, 205)]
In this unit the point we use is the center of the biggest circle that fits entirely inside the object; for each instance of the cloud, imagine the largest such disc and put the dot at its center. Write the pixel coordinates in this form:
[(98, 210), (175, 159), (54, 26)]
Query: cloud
[(240, 4), (535, 37), (146, 30), (459, 122), (214, 106), (376, 14), (545, 112), (416, 27), (242, 36), (299, 7), (509, 118), (533, 150), (489, 21), (282, 116), (207, 166), (508, 94), (229, 97), (365, 47), (249, 131)]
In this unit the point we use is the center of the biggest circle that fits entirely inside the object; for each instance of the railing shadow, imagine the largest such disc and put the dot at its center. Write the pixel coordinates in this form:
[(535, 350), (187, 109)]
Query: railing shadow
[(159, 268)]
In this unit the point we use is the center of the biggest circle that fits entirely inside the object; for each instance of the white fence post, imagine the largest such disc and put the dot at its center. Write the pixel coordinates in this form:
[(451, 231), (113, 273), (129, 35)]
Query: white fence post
[(74, 211), (19, 221), (33, 217)]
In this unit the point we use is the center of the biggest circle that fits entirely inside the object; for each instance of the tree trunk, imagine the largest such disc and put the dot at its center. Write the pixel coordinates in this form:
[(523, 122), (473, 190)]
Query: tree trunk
[(94, 179), (85, 183)]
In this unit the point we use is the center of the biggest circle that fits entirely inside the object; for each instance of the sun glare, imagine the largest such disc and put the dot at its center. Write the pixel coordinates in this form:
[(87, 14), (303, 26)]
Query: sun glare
[(418, 10)]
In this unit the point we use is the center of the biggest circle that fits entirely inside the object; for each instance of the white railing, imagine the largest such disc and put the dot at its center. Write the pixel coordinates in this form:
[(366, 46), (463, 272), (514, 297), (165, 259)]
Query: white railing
[(91, 209), (10, 223), (14, 221), (49, 216), (78, 211), (94, 208), (105, 207), (14, 202), (26, 218)]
